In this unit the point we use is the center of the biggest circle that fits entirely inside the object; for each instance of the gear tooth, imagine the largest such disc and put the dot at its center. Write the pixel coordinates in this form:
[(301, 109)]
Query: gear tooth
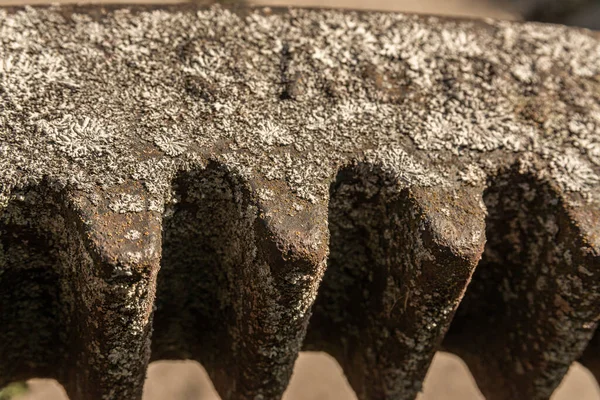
[(586, 217), (101, 297), (533, 303), (33, 330), (113, 289), (453, 219), (121, 230), (239, 277), (297, 228), (400, 261), (235, 116)]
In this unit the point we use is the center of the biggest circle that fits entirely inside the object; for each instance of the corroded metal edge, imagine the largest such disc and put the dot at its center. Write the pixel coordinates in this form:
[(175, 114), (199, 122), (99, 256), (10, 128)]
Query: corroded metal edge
[(384, 145)]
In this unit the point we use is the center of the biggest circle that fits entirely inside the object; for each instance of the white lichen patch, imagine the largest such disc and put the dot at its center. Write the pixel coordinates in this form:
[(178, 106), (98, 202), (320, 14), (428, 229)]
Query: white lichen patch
[(133, 235), (524, 73), (573, 173), (126, 203), (361, 131), (171, 141), (404, 93), (270, 134), (473, 175), (403, 167), (77, 137), (266, 194), (20, 69)]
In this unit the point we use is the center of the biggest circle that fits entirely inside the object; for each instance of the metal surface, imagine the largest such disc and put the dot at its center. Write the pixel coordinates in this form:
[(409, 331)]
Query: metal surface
[(235, 185)]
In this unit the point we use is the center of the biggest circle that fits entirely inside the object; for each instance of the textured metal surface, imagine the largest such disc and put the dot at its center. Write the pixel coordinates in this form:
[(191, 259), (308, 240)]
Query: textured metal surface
[(235, 185)]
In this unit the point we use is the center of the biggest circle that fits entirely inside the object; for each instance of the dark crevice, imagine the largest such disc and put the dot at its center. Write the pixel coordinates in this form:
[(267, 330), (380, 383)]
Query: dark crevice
[(32, 330), (352, 299), (220, 297), (54, 304), (526, 314), (378, 307), (290, 79), (203, 260)]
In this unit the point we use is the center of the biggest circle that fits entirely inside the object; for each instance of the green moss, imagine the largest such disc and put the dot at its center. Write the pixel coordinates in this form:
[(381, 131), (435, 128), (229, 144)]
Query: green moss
[(13, 390)]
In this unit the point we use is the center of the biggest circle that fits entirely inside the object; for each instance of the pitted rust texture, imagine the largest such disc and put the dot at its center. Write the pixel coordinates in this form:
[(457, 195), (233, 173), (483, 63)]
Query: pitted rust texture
[(233, 186)]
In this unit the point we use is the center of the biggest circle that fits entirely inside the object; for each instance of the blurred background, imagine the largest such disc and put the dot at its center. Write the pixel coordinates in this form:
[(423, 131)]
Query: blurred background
[(585, 13), (318, 376)]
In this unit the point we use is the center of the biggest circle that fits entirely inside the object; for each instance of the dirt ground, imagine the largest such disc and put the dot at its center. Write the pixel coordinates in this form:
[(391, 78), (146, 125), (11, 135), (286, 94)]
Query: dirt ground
[(317, 376)]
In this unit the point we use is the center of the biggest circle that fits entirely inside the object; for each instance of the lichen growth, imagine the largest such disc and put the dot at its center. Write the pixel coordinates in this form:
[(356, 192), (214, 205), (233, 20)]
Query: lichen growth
[(243, 144), (191, 82)]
